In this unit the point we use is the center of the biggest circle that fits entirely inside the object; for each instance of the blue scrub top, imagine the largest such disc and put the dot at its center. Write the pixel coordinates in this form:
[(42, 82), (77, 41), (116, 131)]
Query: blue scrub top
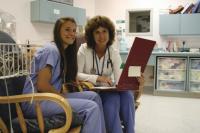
[(47, 55)]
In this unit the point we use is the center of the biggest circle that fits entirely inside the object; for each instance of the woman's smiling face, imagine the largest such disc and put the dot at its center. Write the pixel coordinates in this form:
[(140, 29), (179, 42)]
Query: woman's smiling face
[(101, 36), (68, 33)]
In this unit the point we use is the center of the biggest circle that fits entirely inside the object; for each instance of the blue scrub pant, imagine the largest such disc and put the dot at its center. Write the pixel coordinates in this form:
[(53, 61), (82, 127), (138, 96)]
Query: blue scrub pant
[(119, 108), (87, 104)]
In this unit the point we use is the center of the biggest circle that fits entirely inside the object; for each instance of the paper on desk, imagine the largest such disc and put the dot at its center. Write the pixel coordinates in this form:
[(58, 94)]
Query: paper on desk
[(134, 71)]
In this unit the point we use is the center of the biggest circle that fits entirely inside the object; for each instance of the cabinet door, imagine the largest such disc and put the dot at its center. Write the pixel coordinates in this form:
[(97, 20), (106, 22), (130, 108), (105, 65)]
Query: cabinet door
[(41, 11), (171, 73), (49, 12), (169, 24), (61, 10), (64, 10), (80, 16), (190, 24), (194, 75)]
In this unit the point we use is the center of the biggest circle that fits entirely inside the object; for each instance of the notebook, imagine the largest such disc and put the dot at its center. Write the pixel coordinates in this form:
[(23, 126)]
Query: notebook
[(135, 65)]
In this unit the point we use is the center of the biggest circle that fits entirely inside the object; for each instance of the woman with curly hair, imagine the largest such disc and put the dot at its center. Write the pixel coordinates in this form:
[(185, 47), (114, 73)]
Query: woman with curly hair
[(97, 61)]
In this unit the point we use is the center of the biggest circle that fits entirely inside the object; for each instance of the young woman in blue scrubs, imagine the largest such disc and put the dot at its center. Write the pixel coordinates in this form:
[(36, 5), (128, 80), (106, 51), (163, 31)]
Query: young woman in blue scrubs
[(98, 60), (55, 64)]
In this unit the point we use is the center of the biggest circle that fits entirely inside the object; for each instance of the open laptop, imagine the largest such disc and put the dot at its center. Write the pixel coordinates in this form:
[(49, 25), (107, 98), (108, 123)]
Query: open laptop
[(135, 65)]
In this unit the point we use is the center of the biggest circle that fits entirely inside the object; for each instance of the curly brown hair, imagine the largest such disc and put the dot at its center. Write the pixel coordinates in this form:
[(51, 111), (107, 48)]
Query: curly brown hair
[(95, 23)]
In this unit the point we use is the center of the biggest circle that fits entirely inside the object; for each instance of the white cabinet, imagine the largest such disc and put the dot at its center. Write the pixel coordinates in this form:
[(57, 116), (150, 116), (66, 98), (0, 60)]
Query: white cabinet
[(169, 24), (179, 24), (190, 24), (171, 73), (178, 75)]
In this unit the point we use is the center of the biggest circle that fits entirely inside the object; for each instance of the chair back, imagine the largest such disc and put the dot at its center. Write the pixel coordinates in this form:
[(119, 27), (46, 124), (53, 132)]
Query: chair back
[(80, 39), (14, 85)]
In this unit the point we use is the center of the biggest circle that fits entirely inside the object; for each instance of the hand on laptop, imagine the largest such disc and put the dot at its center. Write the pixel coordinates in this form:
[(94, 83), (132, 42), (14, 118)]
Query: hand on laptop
[(105, 79)]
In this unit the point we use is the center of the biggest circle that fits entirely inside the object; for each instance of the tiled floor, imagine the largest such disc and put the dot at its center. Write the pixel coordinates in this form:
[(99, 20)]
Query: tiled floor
[(158, 114)]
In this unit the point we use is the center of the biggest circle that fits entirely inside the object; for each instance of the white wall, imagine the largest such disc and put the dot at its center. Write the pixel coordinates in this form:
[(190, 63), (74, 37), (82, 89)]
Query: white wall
[(24, 28), (89, 5), (117, 10), (35, 32), (41, 32)]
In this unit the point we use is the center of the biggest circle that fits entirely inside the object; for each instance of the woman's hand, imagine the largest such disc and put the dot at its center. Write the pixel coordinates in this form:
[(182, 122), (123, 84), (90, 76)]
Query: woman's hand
[(77, 81), (141, 80), (64, 89), (104, 79)]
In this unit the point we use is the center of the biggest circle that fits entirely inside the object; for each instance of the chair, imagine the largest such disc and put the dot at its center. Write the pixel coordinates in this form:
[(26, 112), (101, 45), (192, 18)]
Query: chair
[(5, 38), (15, 97), (15, 86)]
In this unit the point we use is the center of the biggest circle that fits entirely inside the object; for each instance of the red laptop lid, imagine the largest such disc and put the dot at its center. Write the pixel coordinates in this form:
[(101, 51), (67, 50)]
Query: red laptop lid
[(138, 56)]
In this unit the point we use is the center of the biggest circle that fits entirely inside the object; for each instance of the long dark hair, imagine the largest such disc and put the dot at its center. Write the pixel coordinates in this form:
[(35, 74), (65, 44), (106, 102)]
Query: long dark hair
[(69, 58), (95, 23)]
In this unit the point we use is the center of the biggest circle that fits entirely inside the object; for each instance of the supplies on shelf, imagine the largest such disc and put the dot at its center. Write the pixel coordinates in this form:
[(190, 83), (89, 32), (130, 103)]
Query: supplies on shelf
[(174, 75), (171, 63), (194, 74), (195, 87), (171, 73), (171, 86)]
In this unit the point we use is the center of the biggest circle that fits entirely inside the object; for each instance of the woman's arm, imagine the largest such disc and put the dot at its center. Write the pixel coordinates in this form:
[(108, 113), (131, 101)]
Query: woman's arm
[(44, 79), (141, 80), (83, 72)]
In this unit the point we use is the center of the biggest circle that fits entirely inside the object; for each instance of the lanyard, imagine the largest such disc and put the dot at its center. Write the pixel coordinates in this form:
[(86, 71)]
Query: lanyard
[(98, 64), (109, 61)]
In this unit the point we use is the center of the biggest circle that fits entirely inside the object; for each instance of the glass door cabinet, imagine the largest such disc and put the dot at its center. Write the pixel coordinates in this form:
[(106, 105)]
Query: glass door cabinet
[(194, 75), (171, 73)]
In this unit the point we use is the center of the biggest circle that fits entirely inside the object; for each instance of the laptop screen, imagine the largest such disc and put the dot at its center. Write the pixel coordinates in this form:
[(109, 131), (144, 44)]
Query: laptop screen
[(138, 57)]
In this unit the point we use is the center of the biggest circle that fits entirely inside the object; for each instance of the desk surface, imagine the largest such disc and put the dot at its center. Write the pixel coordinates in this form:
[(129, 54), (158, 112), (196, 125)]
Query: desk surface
[(153, 56)]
